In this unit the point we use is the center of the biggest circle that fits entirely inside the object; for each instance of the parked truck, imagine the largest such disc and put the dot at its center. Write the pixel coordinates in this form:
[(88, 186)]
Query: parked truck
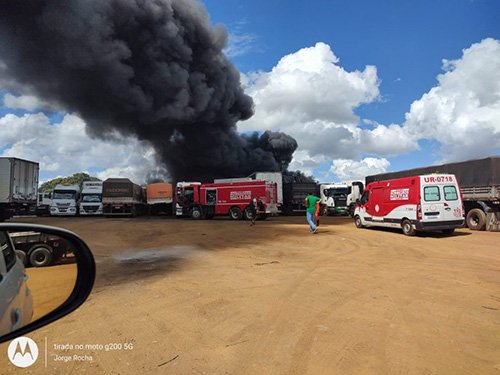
[(65, 199), (294, 194), (159, 198), (43, 204), (120, 196), (479, 182), (340, 197), (91, 200), (233, 199), (276, 177), (18, 187), (40, 249)]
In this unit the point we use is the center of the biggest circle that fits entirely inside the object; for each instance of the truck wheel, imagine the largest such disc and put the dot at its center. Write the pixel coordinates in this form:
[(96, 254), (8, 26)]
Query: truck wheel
[(407, 227), (476, 219), (358, 222), (324, 211), (249, 213), (41, 256), (351, 210), (195, 213), (235, 213), (22, 256)]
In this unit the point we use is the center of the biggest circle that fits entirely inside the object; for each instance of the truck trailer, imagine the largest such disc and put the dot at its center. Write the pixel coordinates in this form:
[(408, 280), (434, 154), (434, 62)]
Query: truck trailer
[(40, 249), (479, 182), (234, 199), (120, 196), (294, 194), (18, 187), (159, 198)]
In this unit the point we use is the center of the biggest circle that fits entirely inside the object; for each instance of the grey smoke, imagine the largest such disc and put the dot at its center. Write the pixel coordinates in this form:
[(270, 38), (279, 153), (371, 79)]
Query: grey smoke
[(153, 69)]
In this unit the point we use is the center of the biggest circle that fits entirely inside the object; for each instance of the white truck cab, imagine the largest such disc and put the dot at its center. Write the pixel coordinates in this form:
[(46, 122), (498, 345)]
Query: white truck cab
[(91, 198), (65, 200), (340, 197)]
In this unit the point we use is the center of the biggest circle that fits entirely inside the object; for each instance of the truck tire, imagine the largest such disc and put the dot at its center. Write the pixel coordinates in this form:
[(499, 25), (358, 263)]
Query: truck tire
[(249, 213), (407, 227), (22, 257), (235, 213), (196, 213), (40, 256), (358, 222), (324, 211), (476, 219), (351, 210)]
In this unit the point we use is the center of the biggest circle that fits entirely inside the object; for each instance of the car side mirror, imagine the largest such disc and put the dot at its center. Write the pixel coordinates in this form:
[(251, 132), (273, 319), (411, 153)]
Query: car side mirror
[(46, 273)]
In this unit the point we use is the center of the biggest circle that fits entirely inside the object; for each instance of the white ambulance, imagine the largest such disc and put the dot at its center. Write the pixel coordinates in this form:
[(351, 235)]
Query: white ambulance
[(419, 203)]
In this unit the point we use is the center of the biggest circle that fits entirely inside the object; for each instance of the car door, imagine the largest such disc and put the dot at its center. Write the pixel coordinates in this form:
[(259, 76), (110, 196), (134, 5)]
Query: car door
[(16, 306)]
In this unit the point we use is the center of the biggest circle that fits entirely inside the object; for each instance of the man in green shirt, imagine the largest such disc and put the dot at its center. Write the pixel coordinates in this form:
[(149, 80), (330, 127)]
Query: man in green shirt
[(310, 203)]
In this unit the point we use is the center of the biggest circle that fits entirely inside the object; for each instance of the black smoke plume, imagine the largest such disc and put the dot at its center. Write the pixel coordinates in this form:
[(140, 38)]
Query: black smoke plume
[(153, 69)]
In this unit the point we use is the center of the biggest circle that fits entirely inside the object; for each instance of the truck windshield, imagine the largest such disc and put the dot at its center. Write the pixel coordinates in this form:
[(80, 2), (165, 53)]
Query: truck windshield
[(337, 192), (62, 194), (92, 198)]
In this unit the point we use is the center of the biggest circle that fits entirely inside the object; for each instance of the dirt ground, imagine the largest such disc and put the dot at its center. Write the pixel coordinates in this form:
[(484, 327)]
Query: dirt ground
[(50, 287), (221, 297)]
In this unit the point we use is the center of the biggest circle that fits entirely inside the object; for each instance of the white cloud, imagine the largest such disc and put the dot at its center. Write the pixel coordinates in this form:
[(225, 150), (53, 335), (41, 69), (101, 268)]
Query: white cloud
[(463, 111), (308, 85), (305, 163), (348, 170), (65, 148), (311, 97), (26, 102)]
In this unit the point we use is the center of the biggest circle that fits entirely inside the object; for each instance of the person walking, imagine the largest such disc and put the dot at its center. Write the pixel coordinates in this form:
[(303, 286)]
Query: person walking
[(310, 203), (254, 209)]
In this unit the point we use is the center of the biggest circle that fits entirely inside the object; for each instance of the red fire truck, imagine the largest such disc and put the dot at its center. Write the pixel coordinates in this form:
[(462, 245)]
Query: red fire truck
[(419, 203), (197, 200)]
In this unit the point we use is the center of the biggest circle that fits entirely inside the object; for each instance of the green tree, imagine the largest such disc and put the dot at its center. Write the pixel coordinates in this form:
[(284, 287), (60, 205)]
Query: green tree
[(76, 179)]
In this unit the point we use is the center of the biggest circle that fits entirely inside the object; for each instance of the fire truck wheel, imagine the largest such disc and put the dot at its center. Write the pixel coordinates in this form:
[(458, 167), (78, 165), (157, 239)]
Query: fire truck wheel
[(249, 213), (407, 227), (195, 213), (22, 256), (235, 213), (40, 256), (358, 222), (476, 219)]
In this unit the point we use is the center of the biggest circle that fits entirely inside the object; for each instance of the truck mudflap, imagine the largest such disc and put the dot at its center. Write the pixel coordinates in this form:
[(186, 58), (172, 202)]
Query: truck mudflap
[(438, 225)]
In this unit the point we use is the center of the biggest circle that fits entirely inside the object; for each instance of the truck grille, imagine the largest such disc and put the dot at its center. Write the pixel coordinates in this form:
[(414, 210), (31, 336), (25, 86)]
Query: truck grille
[(90, 208)]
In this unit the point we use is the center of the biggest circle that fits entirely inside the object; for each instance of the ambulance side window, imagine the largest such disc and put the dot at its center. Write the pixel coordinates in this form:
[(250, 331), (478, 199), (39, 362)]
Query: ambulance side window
[(450, 193), (431, 194)]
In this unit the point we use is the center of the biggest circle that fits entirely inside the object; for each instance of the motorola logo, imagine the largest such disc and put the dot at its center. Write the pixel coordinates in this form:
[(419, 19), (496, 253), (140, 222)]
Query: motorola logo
[(22, 352)]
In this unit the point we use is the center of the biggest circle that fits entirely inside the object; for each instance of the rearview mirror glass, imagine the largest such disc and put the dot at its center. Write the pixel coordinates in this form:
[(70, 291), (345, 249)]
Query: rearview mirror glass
[(39, 272)]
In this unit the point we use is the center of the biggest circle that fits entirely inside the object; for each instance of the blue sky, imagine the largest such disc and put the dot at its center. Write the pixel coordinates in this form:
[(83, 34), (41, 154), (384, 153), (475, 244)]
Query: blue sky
[(364, 86), (406, 40)]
